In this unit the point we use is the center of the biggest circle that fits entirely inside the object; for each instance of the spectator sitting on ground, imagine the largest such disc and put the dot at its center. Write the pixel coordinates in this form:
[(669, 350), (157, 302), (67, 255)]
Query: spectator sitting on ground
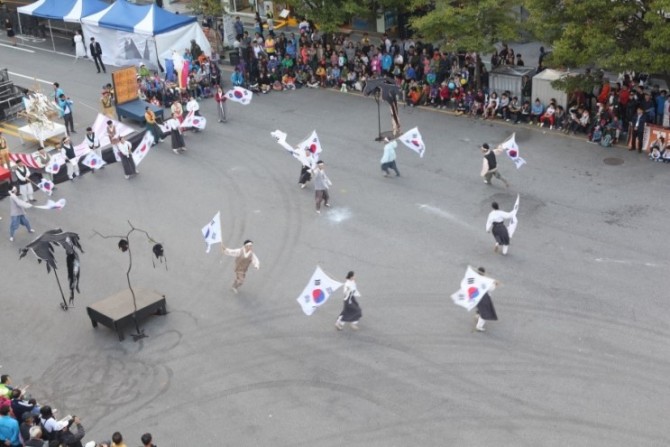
[(614, 128), (548, 117), (580, 121), (657, 149), (414, 97), (237, 78), (536, 111), (491, 107), (559, 117), (514, 110), (524, 115), (503, 106), (288, 81)]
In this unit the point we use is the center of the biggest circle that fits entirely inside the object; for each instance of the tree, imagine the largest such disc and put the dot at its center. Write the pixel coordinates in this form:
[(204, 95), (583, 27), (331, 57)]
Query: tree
[(208, 8), (329, 15), (610, 34), (470, 25)]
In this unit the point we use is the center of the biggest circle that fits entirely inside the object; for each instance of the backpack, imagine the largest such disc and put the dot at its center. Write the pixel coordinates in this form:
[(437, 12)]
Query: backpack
[(606, 141)]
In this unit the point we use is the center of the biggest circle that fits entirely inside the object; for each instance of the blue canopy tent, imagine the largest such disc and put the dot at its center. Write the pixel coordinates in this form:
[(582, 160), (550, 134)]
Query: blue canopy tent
[(147, 34), (65, 10)]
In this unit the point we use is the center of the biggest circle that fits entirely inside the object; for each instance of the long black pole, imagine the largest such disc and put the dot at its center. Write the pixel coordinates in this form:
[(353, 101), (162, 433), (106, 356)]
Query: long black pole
[(64, 306), (379, 117)]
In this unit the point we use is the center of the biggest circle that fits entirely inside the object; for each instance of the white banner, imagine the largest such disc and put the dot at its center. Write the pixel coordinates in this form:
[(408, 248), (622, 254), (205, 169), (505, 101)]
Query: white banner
[(317, 291), (511, 228)]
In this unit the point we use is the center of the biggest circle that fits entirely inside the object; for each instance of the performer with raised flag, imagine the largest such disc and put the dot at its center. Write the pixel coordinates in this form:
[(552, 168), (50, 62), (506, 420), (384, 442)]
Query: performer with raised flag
[(244, 257), (490, 165), (496, 224), (94, 145), (212, 231), (388, 158), (474, 293), (317, 291), (351, 312), (221, 106), (239, 94)]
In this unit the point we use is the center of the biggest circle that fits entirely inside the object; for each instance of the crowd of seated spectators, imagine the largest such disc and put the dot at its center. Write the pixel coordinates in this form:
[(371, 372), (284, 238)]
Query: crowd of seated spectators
[(26, 423)]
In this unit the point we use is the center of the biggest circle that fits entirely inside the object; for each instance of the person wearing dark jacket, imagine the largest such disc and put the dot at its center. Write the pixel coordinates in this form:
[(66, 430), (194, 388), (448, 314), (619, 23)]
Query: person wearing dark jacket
[(638, 130), (69, 438)]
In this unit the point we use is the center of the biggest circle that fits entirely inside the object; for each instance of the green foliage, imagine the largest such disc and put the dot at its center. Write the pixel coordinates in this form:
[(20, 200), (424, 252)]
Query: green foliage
[(329, 15), (473, 25), (614, 35), (206, 7)]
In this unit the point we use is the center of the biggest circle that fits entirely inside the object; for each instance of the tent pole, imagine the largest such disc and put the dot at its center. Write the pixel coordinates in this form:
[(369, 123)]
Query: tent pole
[(53, 43), (18, 16), (158, 58)]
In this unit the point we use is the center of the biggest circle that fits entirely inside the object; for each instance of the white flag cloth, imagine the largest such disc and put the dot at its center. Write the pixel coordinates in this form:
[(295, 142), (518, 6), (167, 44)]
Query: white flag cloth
[(312, 143), (142, 149), (317, 291), (473, 287), (47, 186), (51, 205), (412, 139), (212, 231), (511, 228), (239, 94), (93, 161), (512, 151), (55, 163), (194, 121)]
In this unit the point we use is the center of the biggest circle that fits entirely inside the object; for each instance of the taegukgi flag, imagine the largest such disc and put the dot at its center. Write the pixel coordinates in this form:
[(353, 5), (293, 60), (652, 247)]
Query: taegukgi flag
[(55, 163), (511, 228), (194, 121), (93, 161), (412, 139), (317, 291), (512, 151), (239, 94), (47, 186), (142, 149), (473, 287), (212, 231), (312, 143), (51, 205)]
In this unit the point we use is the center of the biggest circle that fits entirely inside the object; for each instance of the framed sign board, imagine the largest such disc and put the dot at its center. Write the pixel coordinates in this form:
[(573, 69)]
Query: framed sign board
[(125, 85)]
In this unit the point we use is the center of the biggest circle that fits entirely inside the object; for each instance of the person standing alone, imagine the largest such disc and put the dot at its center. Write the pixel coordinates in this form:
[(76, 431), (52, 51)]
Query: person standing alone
[(321, 185), (244, 257), (490, 165), (351, 311), (388, 159), (96, 54), (485, 309)]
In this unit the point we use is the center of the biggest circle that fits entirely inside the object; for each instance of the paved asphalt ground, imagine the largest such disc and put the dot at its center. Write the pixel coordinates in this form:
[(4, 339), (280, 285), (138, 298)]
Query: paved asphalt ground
[(579, 357)]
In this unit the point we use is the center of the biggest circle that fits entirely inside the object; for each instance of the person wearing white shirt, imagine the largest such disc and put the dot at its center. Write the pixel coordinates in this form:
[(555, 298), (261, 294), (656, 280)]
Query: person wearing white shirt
[(176, 137), (126, 153), (193, 106), (23, 178), (496, 224), (72, 163), (351, 312), (244, 257)]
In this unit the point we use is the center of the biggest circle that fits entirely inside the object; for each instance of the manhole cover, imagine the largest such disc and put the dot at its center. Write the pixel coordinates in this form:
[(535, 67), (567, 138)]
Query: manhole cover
[(613, 161)]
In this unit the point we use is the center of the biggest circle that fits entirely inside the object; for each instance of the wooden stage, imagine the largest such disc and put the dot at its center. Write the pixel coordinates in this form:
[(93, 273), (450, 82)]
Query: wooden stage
[(116, 311)]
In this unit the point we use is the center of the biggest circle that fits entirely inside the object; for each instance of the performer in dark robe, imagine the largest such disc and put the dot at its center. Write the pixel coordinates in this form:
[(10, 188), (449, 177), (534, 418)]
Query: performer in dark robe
[(351, 312), (126, 153), (496, 224), (178, 144), (485, 309)]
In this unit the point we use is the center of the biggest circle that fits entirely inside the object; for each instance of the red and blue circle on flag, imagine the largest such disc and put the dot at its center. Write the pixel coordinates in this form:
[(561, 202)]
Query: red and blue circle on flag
[(318, 296)]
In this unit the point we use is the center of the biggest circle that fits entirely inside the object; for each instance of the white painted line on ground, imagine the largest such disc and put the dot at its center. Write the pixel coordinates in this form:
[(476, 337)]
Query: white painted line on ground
[(627, 262), (16, 48), (444, 214), (32, 78)]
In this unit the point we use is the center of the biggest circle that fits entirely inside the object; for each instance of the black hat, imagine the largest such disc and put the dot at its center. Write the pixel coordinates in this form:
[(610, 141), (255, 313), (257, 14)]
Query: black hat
[(481, 270), (485, 145), (248, 241)]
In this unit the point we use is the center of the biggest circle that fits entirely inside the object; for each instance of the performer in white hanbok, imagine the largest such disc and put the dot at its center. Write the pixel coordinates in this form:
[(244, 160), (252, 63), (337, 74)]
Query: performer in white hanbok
[(23, 178), (496, 224), (178, 144), (72, 164), (93, 143), (79, 47), (351, 312)]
